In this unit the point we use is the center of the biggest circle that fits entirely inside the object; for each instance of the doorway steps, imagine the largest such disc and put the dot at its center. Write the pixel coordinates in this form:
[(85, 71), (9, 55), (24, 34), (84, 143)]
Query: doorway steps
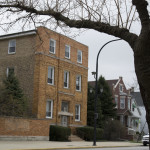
[(75, 138)]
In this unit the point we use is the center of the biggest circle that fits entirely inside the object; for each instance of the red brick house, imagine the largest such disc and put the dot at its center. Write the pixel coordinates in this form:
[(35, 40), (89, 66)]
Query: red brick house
[(124, 104)]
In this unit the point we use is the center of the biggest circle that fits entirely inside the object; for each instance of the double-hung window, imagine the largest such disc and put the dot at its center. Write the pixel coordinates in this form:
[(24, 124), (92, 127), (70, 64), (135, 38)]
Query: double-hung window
[(79, 56), (9, 71), (121, 88), (49, 109), (122, 103), (52, 46), (50, 75), (64, 106), (129, 104), (12, 47), (67, 51), (78, 82), (66, 79), (116, 101), (77, 112)]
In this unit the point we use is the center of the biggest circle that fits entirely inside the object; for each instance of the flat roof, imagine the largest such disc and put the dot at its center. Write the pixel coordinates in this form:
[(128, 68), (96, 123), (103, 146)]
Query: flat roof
[(18, 34)]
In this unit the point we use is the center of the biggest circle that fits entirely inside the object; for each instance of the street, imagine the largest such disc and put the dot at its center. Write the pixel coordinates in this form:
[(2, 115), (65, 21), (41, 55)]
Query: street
[(118, 148)]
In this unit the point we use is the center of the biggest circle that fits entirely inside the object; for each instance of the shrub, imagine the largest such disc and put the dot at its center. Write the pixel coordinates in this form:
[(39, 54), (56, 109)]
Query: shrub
[(87, 133), (114, 130), (59, 133)]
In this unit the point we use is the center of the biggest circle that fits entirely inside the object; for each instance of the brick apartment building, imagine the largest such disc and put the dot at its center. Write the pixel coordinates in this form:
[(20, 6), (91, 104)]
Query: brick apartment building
[(53, 72)]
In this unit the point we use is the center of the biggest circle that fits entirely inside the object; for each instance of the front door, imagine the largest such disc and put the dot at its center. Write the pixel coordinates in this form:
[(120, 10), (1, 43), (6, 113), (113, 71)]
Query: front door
[(64, 121)]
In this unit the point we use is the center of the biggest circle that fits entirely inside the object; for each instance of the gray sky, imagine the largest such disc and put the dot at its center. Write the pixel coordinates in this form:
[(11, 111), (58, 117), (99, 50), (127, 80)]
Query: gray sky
[(116, 58)]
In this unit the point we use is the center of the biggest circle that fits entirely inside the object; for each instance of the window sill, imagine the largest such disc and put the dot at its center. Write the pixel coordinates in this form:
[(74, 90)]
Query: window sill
[(12, 53), (79, 62), (49, 117), (78, 90), (67, 58), (52, 53), (50, 84), (77, 120)]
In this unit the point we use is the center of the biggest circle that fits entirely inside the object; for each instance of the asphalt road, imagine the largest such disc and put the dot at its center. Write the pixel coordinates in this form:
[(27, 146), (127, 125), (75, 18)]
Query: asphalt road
[(117, 148)]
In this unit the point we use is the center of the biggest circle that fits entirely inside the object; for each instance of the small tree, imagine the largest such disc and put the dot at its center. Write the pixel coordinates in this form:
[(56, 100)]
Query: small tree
[(90, 109), (12, 100), (105, 97)]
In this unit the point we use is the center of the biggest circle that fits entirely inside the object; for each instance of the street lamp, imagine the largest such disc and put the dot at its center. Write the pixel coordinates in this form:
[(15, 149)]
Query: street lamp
[(95, 76)]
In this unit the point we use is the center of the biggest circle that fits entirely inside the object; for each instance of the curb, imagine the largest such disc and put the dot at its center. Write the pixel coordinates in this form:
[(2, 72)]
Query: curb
[(61, 148)]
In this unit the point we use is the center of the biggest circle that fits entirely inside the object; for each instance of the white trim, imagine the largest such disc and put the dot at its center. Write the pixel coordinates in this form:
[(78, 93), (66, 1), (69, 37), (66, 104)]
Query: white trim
[(54, 46), (79, 82), (117, 83), (66, 73), (9, 46), (69, 51), (81, 56), (78, 112), (17, 35), (121, 103), (50, 117), (52, 75)]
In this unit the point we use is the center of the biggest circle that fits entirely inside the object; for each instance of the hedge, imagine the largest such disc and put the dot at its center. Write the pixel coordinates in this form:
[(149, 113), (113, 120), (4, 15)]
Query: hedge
[(87, 133), (59, 133)]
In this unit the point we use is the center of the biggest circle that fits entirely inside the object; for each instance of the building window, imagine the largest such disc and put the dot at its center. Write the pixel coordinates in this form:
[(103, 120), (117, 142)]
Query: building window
[(78, 82), (116, 101), (66, 79), (64, 106), (50, 75), (121, 88), (77, 113), (79, 57), (52, 46), (49, 109), (10, 71), (12, 47), (67, 51), (122, 103), (129, 103)]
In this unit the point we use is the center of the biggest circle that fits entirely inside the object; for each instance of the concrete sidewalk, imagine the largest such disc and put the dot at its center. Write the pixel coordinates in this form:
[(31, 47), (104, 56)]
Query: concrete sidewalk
[(48, 145)]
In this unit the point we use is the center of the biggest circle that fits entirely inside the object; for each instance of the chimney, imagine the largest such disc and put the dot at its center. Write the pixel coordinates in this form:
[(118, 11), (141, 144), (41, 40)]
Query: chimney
[(120, 78), (132, 89)]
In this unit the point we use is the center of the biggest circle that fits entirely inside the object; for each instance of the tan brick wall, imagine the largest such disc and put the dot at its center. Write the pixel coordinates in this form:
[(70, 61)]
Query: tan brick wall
[(23, 127), (57, 92), (22, 61)]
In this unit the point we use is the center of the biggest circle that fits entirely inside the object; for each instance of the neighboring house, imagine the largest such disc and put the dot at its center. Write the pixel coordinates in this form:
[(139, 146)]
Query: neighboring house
[(53, 72), (124, 105), (137, 97)]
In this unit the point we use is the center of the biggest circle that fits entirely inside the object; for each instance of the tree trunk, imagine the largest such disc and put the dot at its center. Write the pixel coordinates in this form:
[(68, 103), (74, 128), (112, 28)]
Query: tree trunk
[(142, 69)]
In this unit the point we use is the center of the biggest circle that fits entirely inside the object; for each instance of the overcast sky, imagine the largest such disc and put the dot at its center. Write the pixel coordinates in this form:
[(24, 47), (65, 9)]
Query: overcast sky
[(116, 58)]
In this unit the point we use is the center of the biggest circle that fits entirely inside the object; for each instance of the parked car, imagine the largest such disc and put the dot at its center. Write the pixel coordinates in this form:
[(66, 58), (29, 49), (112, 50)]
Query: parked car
[(145, 139)]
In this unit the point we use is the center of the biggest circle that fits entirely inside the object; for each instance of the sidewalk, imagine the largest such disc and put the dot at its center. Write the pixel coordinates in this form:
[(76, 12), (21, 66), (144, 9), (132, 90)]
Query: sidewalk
[(48, 145)]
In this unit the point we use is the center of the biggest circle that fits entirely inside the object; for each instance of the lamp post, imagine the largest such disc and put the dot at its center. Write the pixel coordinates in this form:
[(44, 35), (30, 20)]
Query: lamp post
[(96, 76)]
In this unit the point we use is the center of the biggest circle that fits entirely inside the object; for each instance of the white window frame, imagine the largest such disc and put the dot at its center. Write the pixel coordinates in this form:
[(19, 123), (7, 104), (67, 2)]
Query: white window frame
[(120, 87), (66, 75), (67, 108), (51, 46), (13, 40), (50, 117), (122, 102), (79, 82), (129, 101), (50, 67), (77, 113), (7, 71), (69, 51), (79, 52), (116, 101)]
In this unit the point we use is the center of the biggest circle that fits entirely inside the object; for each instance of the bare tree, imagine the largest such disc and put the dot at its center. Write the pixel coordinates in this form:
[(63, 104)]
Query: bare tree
[(113, 17)]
